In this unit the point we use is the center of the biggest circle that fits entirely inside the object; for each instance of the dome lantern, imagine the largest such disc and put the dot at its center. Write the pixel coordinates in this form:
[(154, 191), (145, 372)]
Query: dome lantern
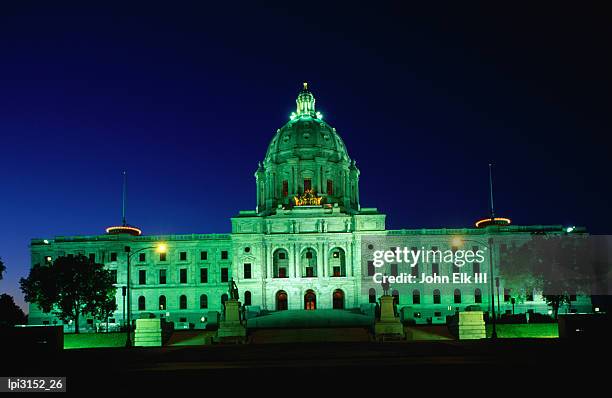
[(305, 103)]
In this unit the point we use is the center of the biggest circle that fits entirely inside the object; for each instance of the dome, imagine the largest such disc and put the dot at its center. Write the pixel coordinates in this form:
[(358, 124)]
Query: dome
[(306, 157), (306, 136)]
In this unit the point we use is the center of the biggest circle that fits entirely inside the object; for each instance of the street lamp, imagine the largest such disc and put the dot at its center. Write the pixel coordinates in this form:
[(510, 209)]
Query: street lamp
[(457, 241), (161, 248)]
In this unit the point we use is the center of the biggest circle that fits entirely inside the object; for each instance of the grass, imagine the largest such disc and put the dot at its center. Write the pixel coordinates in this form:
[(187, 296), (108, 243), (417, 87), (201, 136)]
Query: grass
[(531, 330), (94, 340)]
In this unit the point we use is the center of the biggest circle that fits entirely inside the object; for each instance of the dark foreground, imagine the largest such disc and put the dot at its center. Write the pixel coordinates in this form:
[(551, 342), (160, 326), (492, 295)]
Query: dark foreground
[(444, 365)]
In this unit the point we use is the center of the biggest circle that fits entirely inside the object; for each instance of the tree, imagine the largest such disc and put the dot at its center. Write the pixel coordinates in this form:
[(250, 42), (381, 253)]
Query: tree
[(70, 287), (2, 269), (556, 266), (10, 313)]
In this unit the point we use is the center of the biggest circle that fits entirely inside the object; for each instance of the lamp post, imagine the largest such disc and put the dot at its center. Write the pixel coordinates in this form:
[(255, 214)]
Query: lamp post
[(128, 250), (457, 241)]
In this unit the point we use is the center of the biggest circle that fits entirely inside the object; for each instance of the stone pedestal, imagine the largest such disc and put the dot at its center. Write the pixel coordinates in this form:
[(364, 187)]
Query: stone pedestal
[(148, 333), (470, 325), (231, 328), (388, 327)]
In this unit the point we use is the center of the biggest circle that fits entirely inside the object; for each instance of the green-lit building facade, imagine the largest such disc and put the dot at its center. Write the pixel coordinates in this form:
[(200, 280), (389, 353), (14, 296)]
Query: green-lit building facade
[(301, 248)]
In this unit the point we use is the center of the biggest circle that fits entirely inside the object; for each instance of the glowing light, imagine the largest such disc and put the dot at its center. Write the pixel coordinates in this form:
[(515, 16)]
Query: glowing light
[(48, 258), (202, 319), (549, 312), (319, 115), (161, 248), (46, 242), (496, 220), (292, 116), (307, 199), (596, 309), (570, 229), (457, 241), (125, 229)]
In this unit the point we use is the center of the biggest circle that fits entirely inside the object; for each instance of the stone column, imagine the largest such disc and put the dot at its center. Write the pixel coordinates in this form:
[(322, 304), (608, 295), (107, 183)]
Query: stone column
[(348, 261), (269, 268), (320, 271), (325, 260), (296, 265)]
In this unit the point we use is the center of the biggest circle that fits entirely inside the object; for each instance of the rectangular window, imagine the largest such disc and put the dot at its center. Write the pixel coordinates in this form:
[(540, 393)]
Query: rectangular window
[(142, 277), (414, 271), (330, 187), (308, 254), (435, 269), (203, 255), (309, 272), (162, 256), (224, 275), (476, 268), (371, 268), (92, 257), (183, 256), (142, 257), (336, 271), (203, 275), (113, 275), (456, 269), (162, 276), (285, 188), (113, 257), (393, 269), (224, 255), (281, 255), (307, 184), (183, 275), (247, 271)]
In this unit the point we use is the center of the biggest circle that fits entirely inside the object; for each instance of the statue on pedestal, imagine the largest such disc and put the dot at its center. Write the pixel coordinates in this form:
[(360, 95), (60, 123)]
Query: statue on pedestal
[(385, 286), (233, 290)]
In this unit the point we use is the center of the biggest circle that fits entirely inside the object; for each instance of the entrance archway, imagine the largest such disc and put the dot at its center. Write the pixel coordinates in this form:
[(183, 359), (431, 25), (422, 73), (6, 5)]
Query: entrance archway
[(310, 300), (281, 300), (338, 299)]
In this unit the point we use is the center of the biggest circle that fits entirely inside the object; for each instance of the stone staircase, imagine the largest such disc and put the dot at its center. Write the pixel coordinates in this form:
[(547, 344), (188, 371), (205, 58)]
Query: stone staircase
[(309, 335)]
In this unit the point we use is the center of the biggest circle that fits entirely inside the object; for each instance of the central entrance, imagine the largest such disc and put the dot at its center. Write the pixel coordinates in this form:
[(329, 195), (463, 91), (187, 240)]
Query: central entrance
[(310, 300), (281, 301)]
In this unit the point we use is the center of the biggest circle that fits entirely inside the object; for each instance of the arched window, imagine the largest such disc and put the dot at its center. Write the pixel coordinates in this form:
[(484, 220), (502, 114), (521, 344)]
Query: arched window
[(337, 262), (247, 298), (372, 296), (457, 295), (183, 302), (203, 301), (308, 263), (477, 296), (416, 296), (395, 295), (280, 263), (281, 300), (436, 296), (162, 303), (338, 299), (141, 303)]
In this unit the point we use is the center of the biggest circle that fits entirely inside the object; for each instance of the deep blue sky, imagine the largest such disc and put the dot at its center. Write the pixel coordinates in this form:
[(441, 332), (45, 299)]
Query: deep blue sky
[(186, 98)]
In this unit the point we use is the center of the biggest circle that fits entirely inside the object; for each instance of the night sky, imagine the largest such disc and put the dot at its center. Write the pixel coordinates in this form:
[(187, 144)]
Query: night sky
[(186, 98)]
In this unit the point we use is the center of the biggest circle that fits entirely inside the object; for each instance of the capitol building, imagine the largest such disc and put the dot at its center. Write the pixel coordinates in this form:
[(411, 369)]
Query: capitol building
[(305, 245)]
